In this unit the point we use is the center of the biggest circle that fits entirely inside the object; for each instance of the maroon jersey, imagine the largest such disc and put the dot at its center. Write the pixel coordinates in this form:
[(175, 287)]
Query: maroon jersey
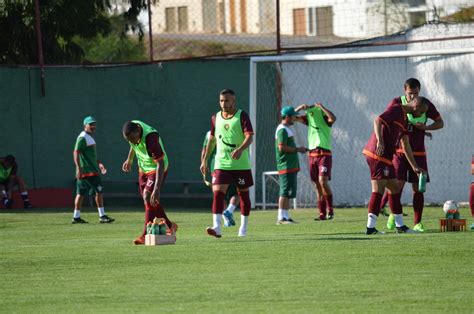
[(244, 122), (153, 146), (417, 136), (394, 126)]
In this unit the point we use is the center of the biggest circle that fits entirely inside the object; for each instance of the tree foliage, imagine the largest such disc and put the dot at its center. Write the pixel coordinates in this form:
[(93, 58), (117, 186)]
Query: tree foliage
[(62, 23)]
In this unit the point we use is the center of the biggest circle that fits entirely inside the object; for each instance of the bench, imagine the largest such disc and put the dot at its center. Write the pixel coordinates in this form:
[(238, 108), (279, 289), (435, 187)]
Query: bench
[(184, 187)]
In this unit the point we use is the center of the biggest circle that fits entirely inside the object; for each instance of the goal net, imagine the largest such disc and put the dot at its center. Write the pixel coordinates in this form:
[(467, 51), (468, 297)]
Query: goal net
[(357, 87)]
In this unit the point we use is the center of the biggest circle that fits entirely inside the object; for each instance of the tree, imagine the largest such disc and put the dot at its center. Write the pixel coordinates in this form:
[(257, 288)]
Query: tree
[(62, 23)]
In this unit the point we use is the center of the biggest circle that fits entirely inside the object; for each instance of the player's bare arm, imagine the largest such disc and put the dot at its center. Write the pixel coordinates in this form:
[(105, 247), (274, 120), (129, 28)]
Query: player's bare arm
[(76, 162), (303, 107), (127, 165), (378, 135), (246, 143), (155, 195), (291, 150), (436, 125), (210, 147), (409, 154), (327, 112)]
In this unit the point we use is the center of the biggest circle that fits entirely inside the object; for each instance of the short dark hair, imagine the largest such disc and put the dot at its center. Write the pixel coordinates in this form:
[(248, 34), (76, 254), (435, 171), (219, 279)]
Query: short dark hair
[(227, 91), (422, 101), (412, 83), (10, 159), (129, 127)]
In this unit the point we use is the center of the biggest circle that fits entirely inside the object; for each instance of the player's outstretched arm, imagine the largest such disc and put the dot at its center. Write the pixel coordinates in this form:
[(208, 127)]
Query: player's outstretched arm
[(409, 154)]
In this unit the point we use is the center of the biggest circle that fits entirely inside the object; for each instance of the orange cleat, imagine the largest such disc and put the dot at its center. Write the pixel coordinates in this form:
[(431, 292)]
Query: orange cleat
[(174, 228), (139, 241), (213, 233)]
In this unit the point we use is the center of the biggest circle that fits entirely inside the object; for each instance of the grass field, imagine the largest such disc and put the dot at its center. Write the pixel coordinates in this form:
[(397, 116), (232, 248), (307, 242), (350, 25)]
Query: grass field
[(49, 265)]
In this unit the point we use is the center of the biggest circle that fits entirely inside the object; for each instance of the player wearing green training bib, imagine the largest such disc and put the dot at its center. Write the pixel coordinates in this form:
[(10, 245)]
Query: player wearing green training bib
[(231, 195), (87, 172), (146, 145), (417, 127), (231, 134), (319, 121), (288, 164)]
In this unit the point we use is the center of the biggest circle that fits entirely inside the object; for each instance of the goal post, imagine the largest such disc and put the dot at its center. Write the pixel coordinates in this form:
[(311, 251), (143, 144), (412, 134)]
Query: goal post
[(357, 87)]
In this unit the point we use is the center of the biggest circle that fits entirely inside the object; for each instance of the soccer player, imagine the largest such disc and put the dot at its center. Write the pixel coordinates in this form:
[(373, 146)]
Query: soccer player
[(87, 172), (231, 196), (147, 146), (288, 164), (319, 121), (417, 127), (389, 128), (9, 179), (231, 134)]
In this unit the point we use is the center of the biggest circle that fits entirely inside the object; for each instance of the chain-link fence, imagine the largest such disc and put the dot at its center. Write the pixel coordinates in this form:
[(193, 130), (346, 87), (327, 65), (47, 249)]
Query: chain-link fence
[(115, 31)]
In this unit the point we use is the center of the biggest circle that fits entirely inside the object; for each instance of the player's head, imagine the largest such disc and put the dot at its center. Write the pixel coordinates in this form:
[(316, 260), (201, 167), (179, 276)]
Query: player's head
[(419, 105), (227, 100), (132, 132), (288, 115), (89, 124), (8, 161), (412, 88)]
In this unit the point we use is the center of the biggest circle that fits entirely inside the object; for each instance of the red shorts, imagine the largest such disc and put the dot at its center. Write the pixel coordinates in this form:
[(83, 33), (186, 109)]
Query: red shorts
[(146, 182), (380, 170), (320, 166), (404, 171), (241, 178)]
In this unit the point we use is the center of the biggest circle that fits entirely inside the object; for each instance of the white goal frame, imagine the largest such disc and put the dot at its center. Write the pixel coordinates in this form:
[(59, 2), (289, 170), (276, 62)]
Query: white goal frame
[(323, 57)]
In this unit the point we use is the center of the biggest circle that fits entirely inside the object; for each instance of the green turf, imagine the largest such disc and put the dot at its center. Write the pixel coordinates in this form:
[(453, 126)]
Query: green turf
[(49, 265)]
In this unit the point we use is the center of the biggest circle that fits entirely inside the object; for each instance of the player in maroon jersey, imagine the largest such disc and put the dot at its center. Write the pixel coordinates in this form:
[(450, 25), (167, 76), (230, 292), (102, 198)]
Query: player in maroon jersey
[(390, 128), (417, 128)]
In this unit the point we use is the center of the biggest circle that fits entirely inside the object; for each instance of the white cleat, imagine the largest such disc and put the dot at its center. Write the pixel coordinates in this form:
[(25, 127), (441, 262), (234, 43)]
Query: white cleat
[(242, 232)]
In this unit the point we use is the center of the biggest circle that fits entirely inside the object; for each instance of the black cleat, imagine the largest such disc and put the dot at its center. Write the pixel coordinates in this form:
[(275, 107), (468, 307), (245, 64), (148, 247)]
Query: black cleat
[(79, 221), (8, 202), (405, 229), (371, 231), (330, 216), (27, 205), (106, 219)]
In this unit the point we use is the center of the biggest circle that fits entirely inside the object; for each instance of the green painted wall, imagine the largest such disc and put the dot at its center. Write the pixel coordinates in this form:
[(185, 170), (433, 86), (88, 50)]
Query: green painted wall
[(177, 98)]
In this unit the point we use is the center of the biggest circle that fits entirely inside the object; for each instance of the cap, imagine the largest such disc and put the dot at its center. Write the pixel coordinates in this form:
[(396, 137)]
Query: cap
[(89, 120), (288, 111)]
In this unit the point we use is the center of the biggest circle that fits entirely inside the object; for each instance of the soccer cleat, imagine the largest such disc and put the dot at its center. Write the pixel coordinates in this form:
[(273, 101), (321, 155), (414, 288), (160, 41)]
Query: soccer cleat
[(371, 231), (213, 232), (405, 229), (8, 202), (27, 205), (391, 222), (291, 221), (228, 218), (419, 227), (330, 216), (320, 218), (242, 232), (282, 222), (139, 241), (174, 228), (79, 220), (106, 219), (472, 226)]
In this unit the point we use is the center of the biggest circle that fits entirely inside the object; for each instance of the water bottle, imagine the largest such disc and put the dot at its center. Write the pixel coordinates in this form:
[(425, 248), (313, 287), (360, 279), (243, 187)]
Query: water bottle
[(422, 182), (149, 228)]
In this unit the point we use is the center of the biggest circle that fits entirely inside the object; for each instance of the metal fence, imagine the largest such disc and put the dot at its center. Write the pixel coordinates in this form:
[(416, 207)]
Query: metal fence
[(180, 29)]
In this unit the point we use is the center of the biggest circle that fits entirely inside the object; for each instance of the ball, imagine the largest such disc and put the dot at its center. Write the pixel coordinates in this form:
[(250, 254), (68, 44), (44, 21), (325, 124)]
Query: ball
[(450, 207)]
